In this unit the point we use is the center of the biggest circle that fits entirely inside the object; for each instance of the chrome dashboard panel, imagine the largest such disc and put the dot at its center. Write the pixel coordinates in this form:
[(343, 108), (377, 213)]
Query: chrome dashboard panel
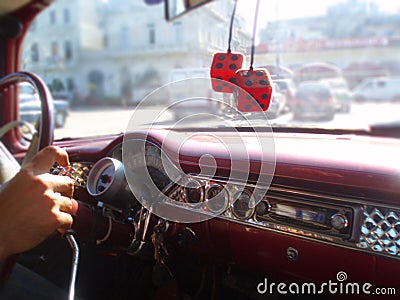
[(367, 226)]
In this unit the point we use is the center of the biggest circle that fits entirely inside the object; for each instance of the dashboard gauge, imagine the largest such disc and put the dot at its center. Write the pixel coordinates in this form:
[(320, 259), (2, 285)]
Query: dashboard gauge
[(217, 198), (193, 192), (106, 179), (243, 205), (262, 209)]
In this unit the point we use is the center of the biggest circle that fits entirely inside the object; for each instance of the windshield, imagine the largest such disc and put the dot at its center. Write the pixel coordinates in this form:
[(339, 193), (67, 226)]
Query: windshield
[(337, 63), (26, 89)]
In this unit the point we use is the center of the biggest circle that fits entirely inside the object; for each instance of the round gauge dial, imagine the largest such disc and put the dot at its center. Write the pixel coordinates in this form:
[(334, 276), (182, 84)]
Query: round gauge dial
[(216, 198), (193, 192), (106, 178), (243, 205), (263, 208)]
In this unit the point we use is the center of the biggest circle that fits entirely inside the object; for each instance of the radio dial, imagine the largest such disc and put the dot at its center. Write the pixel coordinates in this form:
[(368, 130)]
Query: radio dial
[(339, 221)]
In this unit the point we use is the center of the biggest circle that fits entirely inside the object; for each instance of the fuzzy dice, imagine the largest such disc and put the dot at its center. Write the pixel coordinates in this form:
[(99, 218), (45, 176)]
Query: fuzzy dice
[(223, 69), (254, 90)]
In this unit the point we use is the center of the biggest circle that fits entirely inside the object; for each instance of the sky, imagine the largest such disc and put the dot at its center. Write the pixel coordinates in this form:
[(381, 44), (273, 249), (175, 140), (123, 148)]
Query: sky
[(287, 9)]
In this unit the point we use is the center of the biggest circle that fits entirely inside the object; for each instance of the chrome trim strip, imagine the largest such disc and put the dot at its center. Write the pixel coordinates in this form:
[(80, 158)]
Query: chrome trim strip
[(358, 205)]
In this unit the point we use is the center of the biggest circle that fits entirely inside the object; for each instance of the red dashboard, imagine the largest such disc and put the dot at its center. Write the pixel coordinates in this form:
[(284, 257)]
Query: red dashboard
[(319, 172)]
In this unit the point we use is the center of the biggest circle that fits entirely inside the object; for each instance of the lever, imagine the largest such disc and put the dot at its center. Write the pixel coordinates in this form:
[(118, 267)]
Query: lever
[(75, 260), (138, 242), (78, 181)]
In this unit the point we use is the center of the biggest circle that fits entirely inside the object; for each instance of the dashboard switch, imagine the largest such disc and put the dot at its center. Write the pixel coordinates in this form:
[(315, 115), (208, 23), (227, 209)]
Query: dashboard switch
[(292, 254), (339, 221)]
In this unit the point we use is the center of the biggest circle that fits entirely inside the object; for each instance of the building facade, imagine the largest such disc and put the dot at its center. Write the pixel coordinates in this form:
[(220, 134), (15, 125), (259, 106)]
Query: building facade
[(117, 51)]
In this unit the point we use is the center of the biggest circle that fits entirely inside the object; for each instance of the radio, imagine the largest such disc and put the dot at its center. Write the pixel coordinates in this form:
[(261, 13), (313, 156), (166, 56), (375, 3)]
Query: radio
[(327, 219)]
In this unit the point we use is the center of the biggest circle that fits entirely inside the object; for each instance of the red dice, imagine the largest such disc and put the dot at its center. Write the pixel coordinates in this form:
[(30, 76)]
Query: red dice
[(223, 69), (254, 90)]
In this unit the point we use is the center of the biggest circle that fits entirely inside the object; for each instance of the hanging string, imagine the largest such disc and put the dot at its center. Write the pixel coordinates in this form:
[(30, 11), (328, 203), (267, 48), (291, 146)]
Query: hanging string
[(253, 41), (231, 27)]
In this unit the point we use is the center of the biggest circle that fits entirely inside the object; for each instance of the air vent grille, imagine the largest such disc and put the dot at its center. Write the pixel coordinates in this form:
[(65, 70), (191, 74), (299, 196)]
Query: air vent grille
[(380, 230)]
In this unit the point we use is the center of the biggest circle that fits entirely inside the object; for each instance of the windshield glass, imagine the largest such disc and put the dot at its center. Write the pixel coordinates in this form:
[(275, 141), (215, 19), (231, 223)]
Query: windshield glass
[(336, 62), (26, 89)]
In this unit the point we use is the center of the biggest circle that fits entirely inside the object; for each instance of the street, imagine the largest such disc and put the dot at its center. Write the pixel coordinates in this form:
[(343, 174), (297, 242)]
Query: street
[(89, 122)]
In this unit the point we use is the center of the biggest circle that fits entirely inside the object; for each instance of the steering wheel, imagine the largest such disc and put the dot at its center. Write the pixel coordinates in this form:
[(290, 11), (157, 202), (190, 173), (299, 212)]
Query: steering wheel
[(46, 126)]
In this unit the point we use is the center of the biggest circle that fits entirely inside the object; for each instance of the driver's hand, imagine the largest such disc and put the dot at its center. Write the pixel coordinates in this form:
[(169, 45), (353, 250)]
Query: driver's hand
[(34, 204)]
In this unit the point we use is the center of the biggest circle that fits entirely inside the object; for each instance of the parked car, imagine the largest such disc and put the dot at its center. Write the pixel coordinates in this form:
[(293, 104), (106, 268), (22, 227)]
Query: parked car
[(313, 99), (278, 102), (29, 106), (342, 94), (378, 89), (287, 87)]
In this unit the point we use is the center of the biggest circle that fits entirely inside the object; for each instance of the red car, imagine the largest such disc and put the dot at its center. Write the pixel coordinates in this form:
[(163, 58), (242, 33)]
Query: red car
[(227, 206)]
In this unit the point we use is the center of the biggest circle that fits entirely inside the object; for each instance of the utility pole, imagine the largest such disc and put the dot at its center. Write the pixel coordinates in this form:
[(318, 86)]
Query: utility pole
[(278, 38)]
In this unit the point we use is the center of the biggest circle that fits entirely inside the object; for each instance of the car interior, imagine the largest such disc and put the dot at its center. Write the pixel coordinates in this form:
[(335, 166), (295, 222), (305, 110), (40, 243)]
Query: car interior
[(207, 196)]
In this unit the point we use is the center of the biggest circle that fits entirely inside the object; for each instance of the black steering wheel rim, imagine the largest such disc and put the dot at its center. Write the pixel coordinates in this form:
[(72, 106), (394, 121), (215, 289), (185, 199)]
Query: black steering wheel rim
[(46, 127)]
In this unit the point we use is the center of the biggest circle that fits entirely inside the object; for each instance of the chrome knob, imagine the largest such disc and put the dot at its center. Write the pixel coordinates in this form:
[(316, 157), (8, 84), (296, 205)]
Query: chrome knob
[(339, 221)]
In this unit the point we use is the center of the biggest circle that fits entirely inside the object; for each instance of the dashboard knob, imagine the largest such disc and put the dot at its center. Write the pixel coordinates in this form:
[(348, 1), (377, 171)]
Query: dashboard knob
[(339, 221), (186, 237)]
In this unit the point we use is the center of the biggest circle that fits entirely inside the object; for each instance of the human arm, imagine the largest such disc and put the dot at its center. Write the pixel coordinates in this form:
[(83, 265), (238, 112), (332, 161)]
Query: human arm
[(34, 204)]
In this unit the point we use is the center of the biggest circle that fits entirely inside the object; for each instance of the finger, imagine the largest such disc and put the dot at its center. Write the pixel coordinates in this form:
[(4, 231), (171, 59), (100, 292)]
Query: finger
[(75, 207), (65, 222), (59, 184), (45, 159), (64, 204)]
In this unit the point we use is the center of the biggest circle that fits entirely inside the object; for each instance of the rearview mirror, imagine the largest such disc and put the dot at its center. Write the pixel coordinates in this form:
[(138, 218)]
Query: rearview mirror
[(176, 8)]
